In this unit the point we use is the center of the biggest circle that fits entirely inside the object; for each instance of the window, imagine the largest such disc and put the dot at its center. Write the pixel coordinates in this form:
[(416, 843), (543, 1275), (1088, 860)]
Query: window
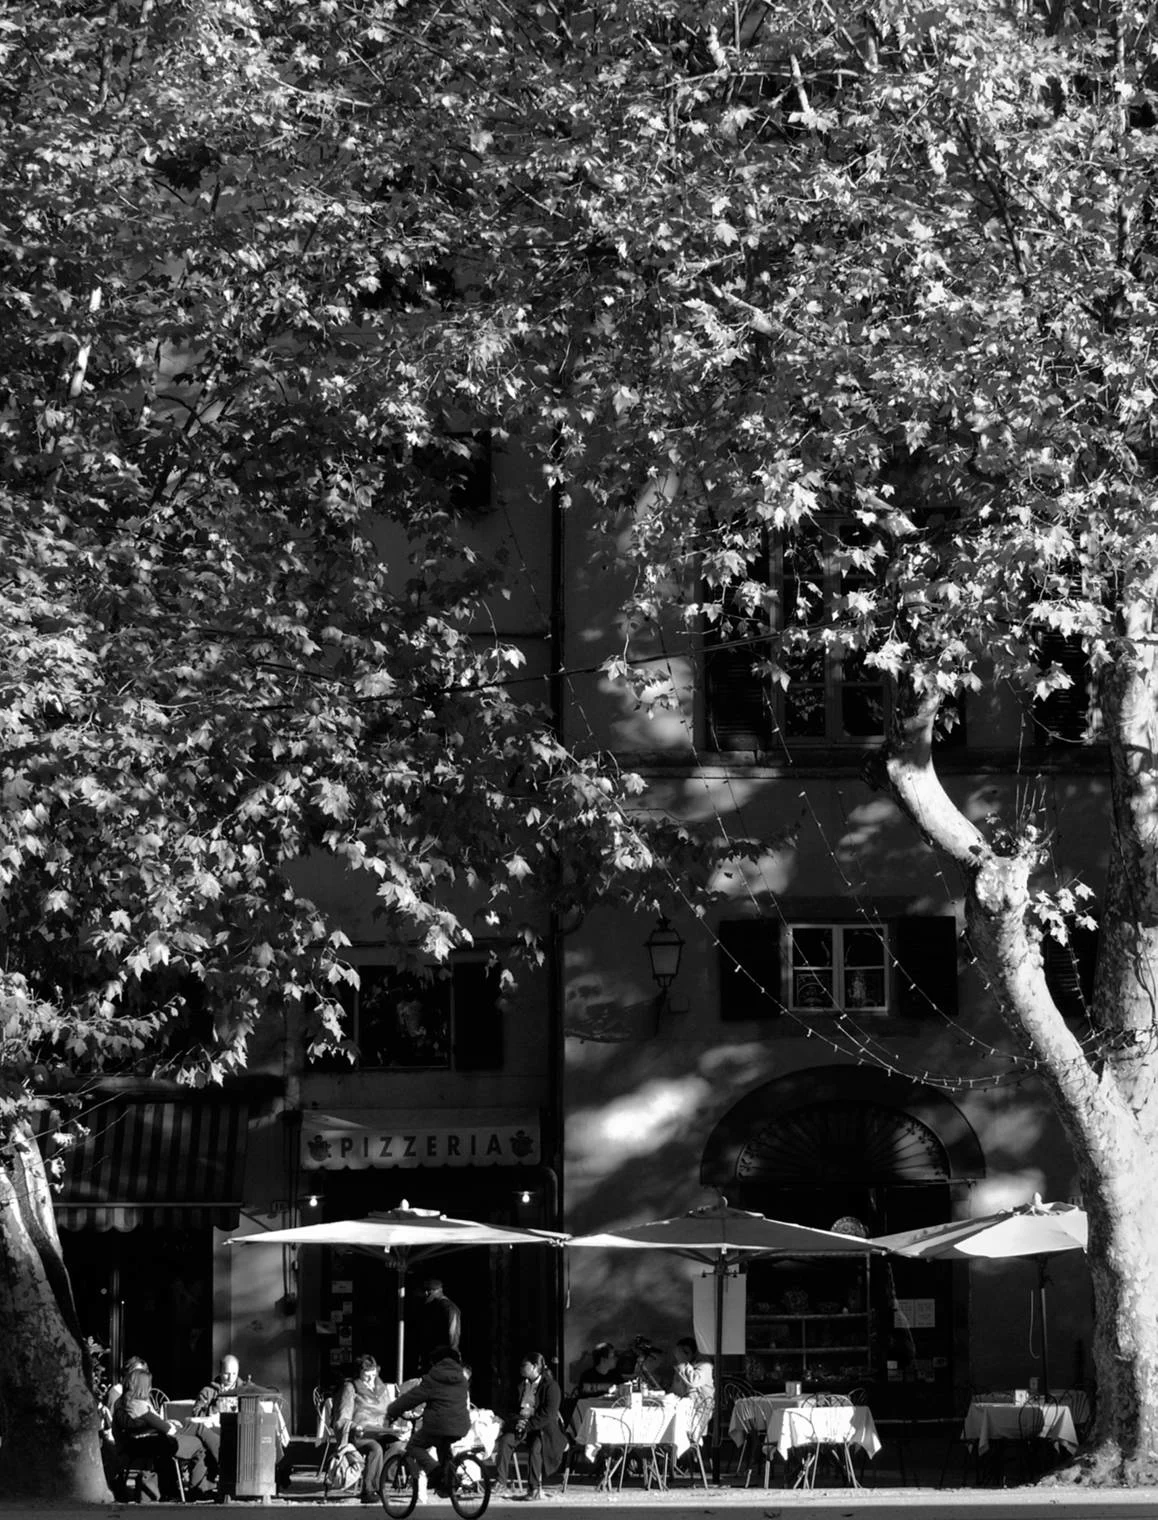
[(460, 467), (833, 695), (905, 966), (837, 966), (445, 1020)]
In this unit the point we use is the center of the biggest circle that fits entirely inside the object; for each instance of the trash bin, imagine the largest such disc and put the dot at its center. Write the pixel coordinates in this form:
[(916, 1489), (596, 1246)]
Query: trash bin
[(248, 1459)]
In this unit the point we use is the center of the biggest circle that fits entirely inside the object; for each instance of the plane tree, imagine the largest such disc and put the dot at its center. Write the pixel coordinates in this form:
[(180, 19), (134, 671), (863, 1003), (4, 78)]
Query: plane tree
[(881, 279), (735, 274), (243, 614)]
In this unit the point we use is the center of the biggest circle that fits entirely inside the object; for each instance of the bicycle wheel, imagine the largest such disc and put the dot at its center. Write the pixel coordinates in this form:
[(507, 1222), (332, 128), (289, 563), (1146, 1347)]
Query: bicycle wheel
[(398, 1489), (470, 1488)]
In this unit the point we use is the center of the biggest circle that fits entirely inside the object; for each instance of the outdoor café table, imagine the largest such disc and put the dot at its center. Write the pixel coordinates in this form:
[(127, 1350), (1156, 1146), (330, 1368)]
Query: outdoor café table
[(987, 1421), (801, 1424), (750, 1415), (658, 1421)]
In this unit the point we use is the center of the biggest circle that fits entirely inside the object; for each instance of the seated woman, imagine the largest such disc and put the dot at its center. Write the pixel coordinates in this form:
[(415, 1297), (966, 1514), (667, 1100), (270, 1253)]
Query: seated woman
[(536, 1423), (693, 1371), (362, 1419), (600, 1376), (142, 1437)]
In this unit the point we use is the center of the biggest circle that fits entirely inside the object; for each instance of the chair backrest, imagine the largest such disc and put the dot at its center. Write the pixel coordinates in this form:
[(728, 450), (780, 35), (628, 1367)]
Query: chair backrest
[(703, 1407), (858, 1396), (158, 1399), (1081, 1408), (324, 1409), (1029, 1420)]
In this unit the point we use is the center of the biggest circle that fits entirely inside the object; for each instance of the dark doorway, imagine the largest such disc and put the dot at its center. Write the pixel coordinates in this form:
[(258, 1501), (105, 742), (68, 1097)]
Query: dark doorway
[(147, 1292)]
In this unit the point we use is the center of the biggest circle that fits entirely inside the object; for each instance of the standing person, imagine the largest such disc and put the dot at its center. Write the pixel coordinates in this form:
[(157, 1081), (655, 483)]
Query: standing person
[(445, 1394), (439, 1323), (362, 1418), (537, 1423)]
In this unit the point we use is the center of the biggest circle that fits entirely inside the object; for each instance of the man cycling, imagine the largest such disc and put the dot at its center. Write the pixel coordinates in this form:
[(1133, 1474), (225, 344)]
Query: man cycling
[(444, 1392)]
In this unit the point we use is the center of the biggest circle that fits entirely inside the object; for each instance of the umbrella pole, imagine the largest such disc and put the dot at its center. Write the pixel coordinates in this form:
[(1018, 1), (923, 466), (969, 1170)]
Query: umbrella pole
[(720, 1269), (400, 1268), (1044, 1330)]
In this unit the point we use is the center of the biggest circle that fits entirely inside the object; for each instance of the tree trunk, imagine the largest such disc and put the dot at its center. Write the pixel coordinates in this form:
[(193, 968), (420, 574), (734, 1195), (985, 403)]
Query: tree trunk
[(51, 1445), (1103, 1090)]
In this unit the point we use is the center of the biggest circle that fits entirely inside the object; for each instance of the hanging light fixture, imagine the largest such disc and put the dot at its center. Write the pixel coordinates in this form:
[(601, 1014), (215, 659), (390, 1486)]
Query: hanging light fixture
[(664, 946)]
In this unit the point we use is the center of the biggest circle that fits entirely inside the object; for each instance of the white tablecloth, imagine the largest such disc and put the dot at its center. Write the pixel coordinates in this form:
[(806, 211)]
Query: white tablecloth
[(598, 1422), (750, 1415), (987, 1422), (835, 1423)]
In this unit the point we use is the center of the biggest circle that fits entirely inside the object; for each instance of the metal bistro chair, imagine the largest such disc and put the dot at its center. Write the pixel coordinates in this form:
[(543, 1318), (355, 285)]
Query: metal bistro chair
[(839, 1451), (731, 1390), (966, 1446), (703, 1408), (135, 1473), (324, 1431), (1081, 1410), (644, 1456)]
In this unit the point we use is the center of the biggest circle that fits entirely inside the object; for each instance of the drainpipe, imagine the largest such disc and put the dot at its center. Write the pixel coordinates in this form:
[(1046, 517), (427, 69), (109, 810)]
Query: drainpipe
[(555, 991)]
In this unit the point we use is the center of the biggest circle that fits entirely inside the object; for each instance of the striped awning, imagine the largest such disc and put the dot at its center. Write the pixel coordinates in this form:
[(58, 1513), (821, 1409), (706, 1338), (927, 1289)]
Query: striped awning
[(165, 1165)]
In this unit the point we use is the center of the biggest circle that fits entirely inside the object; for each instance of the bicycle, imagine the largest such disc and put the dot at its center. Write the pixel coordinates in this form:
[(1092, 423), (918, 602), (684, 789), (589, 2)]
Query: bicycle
[(466, 1484)]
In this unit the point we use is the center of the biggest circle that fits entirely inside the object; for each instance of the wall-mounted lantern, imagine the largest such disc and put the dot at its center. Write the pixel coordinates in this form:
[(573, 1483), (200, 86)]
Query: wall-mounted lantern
[(664, 946)]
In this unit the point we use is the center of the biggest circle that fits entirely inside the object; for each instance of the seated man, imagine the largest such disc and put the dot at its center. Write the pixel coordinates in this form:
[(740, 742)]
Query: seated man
[(537, 1423), (600, 1377), (444, 1393), (362, 1418), (214, 1400)]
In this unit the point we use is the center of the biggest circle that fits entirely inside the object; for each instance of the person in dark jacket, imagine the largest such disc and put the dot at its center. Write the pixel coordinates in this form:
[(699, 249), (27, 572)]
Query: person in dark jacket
[(537, 1423), (444, 1392), (439, 1323), (143, 1438)]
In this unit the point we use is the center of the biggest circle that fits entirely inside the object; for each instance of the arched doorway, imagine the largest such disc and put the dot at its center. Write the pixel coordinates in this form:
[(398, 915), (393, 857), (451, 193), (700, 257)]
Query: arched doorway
[(854, 1146)]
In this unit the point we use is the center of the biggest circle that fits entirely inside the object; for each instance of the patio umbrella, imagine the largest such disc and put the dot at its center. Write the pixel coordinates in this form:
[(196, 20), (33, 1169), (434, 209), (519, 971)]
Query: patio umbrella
[(405, 1235), (1034, 1230), (721, 1236)]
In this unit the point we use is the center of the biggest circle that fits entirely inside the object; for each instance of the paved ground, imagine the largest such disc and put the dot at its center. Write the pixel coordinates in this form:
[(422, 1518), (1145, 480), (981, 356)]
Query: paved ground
[(917, 1499), (866, 1504)]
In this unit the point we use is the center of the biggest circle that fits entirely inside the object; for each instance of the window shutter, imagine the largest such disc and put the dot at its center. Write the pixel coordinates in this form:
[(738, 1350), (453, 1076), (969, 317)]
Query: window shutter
[(1069, 970), (738, 700), (478, 1017), (925, 948), (755, 944), (1063, 716)]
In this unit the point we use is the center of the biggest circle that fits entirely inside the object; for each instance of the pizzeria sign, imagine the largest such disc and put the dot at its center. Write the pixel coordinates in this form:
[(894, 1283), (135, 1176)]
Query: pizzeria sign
[(336, 1144)]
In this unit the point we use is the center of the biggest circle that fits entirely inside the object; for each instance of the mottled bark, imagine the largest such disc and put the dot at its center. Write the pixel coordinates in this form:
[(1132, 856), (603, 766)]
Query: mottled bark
[(1104, 1091), (51, 1447)]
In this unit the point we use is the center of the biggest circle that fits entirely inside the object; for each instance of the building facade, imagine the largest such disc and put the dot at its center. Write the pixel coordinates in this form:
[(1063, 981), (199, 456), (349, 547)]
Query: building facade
[(828, 1052)]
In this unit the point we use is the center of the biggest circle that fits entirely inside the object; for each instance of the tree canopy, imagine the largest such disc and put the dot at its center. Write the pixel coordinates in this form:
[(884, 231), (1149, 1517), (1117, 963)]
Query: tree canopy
[(724, 271)]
